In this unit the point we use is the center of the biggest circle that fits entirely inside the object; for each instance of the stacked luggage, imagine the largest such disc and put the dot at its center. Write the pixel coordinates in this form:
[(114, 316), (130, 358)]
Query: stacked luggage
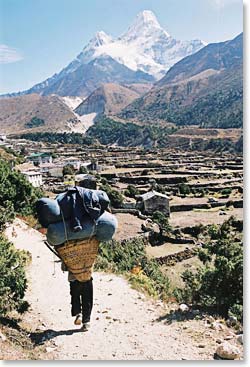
[(76, 221)]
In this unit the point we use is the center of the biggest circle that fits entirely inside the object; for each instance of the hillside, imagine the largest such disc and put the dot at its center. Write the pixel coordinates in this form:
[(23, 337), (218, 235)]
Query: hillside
[(139, 88), (35, 113), (109, 99), (203, 89), (111, 132), (215, 56), (87, 77)]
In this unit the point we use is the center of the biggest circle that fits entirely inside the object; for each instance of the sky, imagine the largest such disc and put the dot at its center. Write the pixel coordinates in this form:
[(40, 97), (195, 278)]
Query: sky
[(40, 37)]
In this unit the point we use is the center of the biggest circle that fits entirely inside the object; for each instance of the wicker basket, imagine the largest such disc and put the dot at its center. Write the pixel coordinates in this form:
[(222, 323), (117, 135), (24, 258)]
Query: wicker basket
[(79, 256)]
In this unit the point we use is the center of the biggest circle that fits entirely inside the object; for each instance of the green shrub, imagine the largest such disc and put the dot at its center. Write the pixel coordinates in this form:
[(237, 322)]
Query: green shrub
[(122, 257), (12, 277), (16, 193), (131, 191), (17, 196), (184, 189), (227, 191), (213, 231), (219, 284), (7, 214), (162, 221), (116, 198), (82, 170), (68, 170)]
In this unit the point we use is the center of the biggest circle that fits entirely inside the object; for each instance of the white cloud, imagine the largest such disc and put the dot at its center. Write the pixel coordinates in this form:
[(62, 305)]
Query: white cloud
[(9, 54)]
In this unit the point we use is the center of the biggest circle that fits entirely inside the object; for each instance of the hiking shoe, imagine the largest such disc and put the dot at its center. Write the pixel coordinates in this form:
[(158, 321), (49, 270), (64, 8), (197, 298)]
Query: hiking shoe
[(78, 319), (85, 326)]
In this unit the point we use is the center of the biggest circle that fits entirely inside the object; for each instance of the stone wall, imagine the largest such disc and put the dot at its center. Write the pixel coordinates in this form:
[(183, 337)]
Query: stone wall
[(159, 180), (188, 207), (172, 259)]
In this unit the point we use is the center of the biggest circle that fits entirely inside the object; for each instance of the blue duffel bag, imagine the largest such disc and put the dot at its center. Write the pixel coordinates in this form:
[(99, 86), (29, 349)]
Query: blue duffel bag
[(103, 229), (75, 204), (48, 211)]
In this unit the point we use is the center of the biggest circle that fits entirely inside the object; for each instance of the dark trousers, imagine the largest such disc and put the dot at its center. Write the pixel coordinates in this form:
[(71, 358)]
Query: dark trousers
[(81, 298)]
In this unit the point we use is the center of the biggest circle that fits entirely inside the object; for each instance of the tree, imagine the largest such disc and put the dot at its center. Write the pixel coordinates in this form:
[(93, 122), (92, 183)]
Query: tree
[(23, 151), (162, 221), (13, 281), (68, 170), (7, 214), (131, 191), (64, 138), (82, 170), (184, 189), (115, 197), (17, 196), (34, 122), (16, 193), (219, 284)]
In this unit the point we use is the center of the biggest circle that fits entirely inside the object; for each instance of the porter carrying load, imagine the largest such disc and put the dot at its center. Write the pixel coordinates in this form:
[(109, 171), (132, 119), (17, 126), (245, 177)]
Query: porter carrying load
[(76, 221)]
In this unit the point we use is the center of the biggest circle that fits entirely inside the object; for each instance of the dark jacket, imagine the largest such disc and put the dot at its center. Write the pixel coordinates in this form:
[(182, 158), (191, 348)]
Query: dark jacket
[(78, 202), (74, 205)]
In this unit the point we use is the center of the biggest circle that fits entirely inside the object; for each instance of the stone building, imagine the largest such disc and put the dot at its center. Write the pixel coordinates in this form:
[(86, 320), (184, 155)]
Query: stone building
[(86, 180), (75, 162), (38, 158), (34, 177), (153, 201)]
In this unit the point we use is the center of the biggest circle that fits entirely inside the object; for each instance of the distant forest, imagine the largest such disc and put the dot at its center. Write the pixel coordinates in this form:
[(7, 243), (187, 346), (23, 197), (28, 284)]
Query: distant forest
[(107, 131), (64, 138)]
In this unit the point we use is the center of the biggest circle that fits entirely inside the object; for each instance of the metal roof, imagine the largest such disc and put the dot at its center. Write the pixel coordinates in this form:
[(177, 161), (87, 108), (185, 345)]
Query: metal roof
[(150, 194)]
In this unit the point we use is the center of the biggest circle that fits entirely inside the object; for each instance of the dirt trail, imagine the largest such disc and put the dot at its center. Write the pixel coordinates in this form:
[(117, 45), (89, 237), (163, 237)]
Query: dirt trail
[(124, 326)]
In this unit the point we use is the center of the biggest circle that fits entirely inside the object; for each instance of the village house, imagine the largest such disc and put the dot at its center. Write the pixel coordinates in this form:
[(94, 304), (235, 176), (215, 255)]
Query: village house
[(38, 158), (31, 172), (27, 166), (94, 166), (56, 171), (86, 180), (34, 177), (46, 167), (76, 163), (153, 201)]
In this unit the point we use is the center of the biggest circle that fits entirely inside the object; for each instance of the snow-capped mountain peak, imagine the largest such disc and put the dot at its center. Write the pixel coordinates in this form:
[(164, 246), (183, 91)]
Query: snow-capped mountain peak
[(145, 46), (144, 25), (146, 17), (100, 38)]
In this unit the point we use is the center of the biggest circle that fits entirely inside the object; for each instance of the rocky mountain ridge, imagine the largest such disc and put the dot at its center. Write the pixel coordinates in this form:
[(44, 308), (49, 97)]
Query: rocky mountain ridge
[(203, 89), (110, 99), (35, 113)]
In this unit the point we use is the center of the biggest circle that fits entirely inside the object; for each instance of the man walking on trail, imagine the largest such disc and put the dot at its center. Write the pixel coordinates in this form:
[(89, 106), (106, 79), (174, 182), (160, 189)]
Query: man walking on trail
[(81, 300), (76, 221), (80, 264)]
